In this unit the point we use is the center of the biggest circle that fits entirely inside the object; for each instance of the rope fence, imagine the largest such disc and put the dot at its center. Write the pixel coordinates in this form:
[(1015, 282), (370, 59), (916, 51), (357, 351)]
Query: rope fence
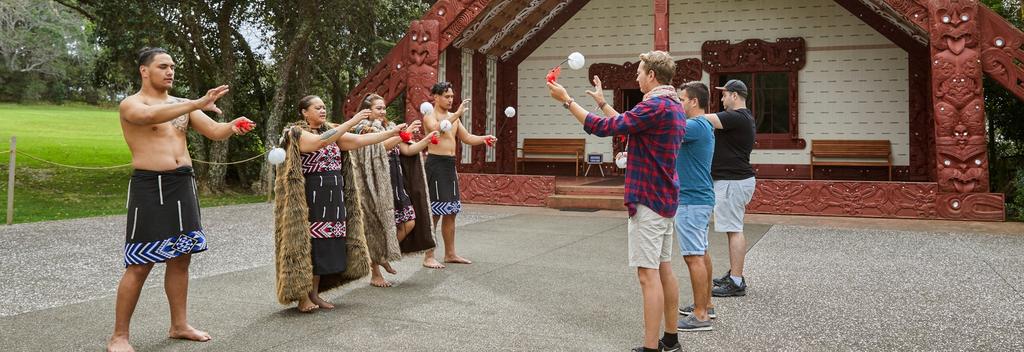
[(14, 151)]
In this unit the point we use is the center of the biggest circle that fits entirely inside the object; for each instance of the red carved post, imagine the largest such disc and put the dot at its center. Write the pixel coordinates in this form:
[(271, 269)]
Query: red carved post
[(960, 145), (420, 65), (661, 25), (961, 160)]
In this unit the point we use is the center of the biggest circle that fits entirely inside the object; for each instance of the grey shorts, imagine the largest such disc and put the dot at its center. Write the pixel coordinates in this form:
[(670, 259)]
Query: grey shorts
[(731, 198), (649, 236)]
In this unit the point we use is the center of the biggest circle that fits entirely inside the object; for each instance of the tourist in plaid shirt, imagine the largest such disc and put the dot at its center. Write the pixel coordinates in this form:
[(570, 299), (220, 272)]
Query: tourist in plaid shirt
[(655, 128)]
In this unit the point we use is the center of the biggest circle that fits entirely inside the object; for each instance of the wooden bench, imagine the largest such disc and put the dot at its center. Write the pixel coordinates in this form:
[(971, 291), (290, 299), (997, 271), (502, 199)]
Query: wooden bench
[(879, 152), (542, 149)]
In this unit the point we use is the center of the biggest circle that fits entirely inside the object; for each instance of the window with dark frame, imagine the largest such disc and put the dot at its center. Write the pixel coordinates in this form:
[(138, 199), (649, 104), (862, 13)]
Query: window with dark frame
[(768, 99), (770, 71)]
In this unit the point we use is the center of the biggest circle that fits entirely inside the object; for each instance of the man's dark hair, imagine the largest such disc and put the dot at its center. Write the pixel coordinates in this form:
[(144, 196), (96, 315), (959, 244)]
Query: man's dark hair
[(696, 89), (440, 87), (146, 55)]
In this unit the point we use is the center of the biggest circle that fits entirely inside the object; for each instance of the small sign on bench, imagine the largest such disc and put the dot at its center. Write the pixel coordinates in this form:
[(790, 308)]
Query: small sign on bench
[(595, 159)]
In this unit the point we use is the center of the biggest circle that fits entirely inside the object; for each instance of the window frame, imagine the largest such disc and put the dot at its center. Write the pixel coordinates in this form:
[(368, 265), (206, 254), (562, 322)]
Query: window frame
[(752, 56)]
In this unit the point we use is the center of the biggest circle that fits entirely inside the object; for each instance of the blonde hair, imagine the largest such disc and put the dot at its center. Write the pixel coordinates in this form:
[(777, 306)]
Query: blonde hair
[(661, 63)]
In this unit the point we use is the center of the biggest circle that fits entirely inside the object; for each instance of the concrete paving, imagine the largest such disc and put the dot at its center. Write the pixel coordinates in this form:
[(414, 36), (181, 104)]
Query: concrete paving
[(543, 280)]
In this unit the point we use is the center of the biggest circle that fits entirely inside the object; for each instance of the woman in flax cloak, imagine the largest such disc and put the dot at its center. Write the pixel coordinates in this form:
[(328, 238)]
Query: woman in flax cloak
[(319, 239), (389, 206)]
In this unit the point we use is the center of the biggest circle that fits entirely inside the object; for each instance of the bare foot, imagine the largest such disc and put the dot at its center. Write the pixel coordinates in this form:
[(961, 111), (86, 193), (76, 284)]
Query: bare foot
[(119, 344), (456, 259), (378, 281), (432, 263), (389, 269), (307, 306), (188, 333), (320, 301)]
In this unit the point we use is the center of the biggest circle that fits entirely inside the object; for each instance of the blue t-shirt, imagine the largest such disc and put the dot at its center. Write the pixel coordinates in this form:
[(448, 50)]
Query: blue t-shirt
[(693, 163)]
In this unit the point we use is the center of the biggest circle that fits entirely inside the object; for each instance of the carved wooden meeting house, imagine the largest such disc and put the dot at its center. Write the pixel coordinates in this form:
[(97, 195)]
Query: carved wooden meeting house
[(903, 77)]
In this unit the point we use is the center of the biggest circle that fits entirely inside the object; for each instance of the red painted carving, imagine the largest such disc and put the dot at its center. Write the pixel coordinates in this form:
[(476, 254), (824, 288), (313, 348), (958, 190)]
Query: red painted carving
[(971, 206), (962, 169), (913, 10), (624, 76), (661, 24), (545, 32), (1002, 47), (862, 199), (619, 77), (420, 65), (506, 189), (961, 160), (507, 129), (454, 16), (755, 55), (387, 79)]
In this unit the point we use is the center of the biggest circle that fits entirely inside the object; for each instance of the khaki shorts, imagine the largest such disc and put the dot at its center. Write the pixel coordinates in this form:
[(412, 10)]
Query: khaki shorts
[(649, 236), (731, 199)]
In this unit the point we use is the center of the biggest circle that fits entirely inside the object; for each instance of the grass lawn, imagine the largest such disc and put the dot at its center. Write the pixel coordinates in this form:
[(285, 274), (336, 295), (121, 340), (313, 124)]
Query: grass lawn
[(77, 135)]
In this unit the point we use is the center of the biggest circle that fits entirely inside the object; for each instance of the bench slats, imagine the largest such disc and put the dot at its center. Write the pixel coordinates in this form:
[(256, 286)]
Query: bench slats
[(851, 149), (574, 147)]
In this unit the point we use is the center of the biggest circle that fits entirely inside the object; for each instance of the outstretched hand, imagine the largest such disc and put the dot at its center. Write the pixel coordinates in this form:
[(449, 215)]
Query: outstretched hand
[(209, 101), (598, 92), (242, 125), (413, 127), (558, 92)]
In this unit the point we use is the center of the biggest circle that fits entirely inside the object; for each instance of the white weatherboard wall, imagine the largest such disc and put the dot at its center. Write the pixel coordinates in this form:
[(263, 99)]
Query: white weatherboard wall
[(854, 85), (604, 31)]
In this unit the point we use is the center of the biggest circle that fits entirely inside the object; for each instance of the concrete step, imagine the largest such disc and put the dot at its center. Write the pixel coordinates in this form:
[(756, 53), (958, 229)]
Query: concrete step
[(586, 202), (590, 190)]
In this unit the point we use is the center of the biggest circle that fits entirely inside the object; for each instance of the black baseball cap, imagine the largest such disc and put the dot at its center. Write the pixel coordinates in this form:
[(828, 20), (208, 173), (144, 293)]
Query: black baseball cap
[(734, 85)]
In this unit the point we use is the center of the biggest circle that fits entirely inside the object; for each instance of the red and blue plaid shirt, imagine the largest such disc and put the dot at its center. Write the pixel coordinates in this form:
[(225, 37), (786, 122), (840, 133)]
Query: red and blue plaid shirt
[(655, 128)]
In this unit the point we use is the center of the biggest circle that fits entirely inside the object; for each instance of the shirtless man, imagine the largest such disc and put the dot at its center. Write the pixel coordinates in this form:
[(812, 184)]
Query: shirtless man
[(442, 179), (164, 223)]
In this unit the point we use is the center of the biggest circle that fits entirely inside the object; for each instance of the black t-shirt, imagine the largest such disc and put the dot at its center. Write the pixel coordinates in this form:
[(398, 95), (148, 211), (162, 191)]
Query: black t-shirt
[(733, 144)]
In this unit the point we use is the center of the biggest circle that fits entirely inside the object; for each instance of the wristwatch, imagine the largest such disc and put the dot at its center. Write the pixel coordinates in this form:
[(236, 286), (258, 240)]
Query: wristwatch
[(601, 105), (567, 103)]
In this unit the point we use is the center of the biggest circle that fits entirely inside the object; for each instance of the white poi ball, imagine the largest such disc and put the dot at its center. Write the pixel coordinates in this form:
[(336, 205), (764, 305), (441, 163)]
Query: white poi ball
[(576, 61), (446, 126), (426, 108), (510, 112), (621, 162), (276, 156)]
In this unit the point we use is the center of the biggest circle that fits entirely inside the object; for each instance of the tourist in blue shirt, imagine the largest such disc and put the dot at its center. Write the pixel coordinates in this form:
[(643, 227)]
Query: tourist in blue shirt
[(696, 200)]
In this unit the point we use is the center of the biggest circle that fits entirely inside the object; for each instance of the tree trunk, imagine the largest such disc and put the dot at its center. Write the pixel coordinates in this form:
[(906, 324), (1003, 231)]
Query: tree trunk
[(338, 93), (219, 149), (284, 74)]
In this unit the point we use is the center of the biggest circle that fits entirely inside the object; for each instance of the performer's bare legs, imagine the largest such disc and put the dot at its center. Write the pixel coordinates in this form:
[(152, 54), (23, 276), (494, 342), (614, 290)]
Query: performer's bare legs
[(376, 278), (314, 301), (176, 288), (128, 292), (448, 232)]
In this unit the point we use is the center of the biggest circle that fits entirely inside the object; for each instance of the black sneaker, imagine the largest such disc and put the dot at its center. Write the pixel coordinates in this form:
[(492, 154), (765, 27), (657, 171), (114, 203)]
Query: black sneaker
[(676, 348), (688, 310), (719, 281), (730, 289), (641, 348)]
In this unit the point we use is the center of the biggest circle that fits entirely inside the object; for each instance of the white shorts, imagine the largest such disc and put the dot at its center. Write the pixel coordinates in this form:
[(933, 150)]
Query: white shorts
[(649, 236), (731, 198)]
